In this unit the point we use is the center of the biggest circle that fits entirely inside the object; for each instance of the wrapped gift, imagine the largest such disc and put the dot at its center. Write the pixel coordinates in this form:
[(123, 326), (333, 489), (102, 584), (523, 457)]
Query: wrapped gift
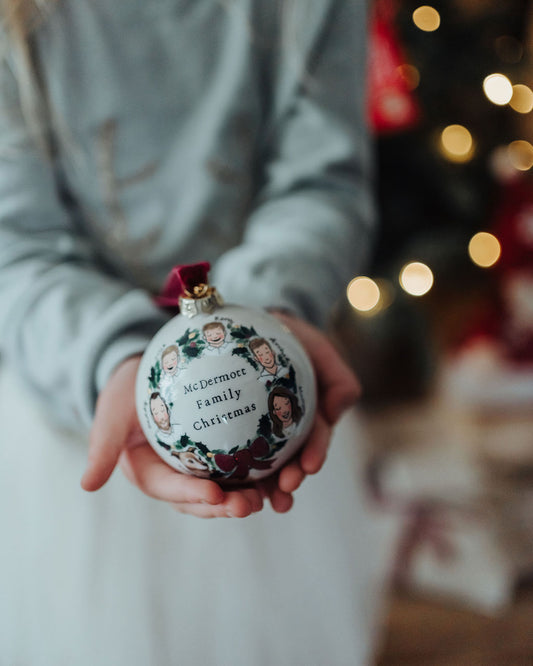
[(449, 541), (456, 554)]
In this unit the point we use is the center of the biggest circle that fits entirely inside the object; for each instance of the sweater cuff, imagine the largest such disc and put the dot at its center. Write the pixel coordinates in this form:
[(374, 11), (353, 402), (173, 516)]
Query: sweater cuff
[(117, 352)]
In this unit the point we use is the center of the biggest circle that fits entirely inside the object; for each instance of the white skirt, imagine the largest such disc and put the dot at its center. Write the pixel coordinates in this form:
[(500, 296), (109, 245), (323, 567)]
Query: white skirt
[(117, 579)]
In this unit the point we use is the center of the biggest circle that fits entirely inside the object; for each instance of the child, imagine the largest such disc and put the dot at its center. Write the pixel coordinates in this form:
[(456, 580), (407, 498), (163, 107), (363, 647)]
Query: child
[(133, 136), (215, 336), (170, 368)]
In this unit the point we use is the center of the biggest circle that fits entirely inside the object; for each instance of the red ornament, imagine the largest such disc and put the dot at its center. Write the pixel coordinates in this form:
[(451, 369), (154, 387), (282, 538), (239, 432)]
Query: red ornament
[(392, 107)]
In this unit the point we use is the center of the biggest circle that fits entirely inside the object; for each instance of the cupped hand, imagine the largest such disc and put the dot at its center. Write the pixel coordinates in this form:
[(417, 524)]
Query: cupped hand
[(116, 438), (337, 390)]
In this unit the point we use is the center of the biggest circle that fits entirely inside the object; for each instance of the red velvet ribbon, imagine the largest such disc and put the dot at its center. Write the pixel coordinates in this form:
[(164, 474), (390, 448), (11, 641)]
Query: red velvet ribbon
[(181, 279), (240, 463)]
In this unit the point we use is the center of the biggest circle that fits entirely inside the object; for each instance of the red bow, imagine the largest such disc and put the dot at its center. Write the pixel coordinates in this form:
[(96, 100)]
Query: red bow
[(240, 463), (181, 279)]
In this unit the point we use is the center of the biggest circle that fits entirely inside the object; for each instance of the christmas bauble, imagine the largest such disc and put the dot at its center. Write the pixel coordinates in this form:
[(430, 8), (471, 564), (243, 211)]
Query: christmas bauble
[(224, 392)]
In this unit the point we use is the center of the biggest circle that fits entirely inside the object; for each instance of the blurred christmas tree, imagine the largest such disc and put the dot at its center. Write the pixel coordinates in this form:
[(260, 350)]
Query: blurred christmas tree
[(450, 104)]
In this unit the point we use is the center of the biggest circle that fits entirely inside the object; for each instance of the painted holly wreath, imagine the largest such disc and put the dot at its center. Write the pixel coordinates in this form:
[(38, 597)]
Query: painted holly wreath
[(222, 337)]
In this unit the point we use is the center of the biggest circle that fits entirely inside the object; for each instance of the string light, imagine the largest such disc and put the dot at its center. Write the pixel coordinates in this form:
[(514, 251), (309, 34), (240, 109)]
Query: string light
[(456, 143), (484, 249), (520, 155), (426, 18), (522, 99), (498, 89), (363, 293), (416, 278)]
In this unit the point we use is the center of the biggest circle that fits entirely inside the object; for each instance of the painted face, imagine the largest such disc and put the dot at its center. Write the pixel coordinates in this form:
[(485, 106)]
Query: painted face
[(170, 363), (191, 461), (283, 410), (215, 336), (160, 413), (265, 356)]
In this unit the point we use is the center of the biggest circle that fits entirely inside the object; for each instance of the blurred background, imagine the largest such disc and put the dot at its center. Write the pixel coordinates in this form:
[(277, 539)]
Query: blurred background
[(440, 328)]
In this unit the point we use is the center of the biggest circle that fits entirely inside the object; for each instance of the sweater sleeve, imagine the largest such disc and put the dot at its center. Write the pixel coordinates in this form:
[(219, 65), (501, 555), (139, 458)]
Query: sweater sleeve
[(65, 322), (311, 227)]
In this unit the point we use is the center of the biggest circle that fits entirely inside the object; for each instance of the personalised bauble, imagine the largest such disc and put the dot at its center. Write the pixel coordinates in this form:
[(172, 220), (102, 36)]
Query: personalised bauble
[(225, 392)]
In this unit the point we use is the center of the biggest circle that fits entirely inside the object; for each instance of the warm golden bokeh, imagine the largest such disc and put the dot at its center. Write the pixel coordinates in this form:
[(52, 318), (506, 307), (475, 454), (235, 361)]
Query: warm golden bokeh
[(498, 89), (363, 293), (426, 18), (484, 249), (456, 143), (416, 278), (522, 99)]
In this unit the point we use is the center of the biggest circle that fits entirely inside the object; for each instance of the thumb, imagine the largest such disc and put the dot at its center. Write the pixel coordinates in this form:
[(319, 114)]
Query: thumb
[(114, 420), (106, 441)]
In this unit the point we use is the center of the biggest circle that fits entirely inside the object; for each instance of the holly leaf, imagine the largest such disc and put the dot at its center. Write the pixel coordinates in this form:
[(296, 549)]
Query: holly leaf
[(202, 447), (185, 441), (282, 358), (288, 381), (264, 427), (248, 332), (154, 376), (184, 338), (244, 353), (238, 334), (192, 352)]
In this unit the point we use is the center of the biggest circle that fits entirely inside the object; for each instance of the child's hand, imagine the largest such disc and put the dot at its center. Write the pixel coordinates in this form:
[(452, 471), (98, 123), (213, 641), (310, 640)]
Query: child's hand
[(338, 389), (116, 437)]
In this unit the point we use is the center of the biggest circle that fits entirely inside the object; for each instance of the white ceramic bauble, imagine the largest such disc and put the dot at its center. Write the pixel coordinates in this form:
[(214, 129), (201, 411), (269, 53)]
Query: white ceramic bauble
[(228, 394)]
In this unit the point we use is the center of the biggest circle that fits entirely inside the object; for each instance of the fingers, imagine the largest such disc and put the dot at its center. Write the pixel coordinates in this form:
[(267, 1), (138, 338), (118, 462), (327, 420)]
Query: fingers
[(291, 476), (280, 500), (188, 494), (311, 458), (144, 468), (237, 504), (315, 450), (337, 384)]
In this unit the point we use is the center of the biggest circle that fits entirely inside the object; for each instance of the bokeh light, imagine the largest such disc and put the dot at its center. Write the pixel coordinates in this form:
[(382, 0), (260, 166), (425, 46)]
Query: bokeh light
[(498, 89), (416, 278), (456, 143), (409, 75), (426, 18), (484, 249), (363, 293), (522, 99), (500, 164), (520, 155)]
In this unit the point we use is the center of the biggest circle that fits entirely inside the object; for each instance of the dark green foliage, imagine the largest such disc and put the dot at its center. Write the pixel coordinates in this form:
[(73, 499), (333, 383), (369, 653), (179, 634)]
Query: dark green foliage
[(155, 376)]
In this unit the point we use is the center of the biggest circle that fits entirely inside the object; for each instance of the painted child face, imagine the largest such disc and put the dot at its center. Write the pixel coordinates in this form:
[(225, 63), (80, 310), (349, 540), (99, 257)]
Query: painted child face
[(160, 413), (170, 363), (283, 409), (265, 356), (215, 336)]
